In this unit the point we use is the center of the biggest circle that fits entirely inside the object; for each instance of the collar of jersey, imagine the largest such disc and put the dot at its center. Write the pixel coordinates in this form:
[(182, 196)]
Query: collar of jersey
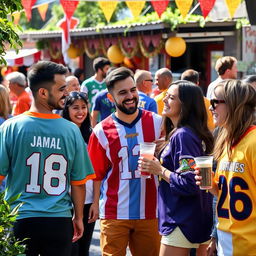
[(251, 128), (127, 124), (42, 115)]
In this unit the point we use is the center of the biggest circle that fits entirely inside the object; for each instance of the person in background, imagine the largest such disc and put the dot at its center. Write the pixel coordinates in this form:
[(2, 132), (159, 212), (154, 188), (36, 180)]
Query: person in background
[(5, 110), (193, 76), (185, 211), (76, 110), (79, 74), (226, 68), (96, 83), (72, 84), (43, 156), (163, 79), (128, 202), (103, 106), (233, 105), (17, 84), (251, 80), (5, 105), (144, 81)]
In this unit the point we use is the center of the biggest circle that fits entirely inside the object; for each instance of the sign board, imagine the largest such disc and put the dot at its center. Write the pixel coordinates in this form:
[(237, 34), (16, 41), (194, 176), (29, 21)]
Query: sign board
[(249, 48)]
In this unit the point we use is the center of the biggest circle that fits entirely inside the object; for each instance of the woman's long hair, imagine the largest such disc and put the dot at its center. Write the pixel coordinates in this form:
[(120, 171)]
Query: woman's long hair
[(240, 100), (193, 114), (5, 105), (86, 128)]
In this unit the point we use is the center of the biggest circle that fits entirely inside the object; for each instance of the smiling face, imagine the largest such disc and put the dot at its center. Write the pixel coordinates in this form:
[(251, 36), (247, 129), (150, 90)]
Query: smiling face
[(125, 96), (57, 94), (78, 111), (172, 104), (220, 112)]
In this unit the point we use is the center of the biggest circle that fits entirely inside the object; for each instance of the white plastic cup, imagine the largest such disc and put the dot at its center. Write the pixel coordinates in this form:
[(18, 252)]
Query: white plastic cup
[(204, 163), (147, 150)]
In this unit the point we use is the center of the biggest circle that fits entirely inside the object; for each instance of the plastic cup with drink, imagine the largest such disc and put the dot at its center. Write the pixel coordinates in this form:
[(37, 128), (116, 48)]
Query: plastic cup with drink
[(204, 163), (147, 150)]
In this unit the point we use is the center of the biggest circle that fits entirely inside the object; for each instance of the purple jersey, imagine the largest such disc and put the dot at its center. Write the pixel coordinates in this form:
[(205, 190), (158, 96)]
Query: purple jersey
[(181, 202)]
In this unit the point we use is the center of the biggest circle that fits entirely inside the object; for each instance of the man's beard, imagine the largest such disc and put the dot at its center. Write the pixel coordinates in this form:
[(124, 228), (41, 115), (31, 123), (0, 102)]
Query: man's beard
[(128, 111), (52, 102)]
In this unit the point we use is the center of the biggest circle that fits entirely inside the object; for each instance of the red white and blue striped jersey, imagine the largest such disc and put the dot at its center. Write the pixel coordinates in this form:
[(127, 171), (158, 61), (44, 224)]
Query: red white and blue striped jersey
[(114, 152)]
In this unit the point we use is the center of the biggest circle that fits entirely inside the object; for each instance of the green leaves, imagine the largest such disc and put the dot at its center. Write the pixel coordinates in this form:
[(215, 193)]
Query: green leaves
[(9, 246), (8, 31)]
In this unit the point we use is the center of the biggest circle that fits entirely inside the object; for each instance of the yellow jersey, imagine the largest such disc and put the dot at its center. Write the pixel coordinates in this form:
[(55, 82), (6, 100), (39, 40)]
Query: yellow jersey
[(159, 101), (236, 206)]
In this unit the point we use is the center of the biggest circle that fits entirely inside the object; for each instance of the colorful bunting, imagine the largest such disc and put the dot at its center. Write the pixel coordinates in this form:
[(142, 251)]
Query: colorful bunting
[(108, 7), (16, 17), (184, 6), (69, 7), (160, 6), (135, 7), (42, 9), (206, 6), (27, 5), (232, 6)]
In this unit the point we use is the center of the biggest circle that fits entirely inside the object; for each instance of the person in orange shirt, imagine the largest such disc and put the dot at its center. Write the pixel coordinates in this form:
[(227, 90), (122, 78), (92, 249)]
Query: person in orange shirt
[(193, 76), (163, 79), (17, 84)]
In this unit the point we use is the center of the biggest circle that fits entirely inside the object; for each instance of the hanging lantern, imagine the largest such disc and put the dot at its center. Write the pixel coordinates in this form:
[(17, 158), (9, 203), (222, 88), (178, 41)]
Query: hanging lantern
[(175, 46), (115, 55), (72, 52)]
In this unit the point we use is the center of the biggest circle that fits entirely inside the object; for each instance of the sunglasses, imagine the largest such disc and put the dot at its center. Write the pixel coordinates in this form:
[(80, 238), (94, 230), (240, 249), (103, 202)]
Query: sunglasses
[(149, 80), (214, 103), (76, 94)]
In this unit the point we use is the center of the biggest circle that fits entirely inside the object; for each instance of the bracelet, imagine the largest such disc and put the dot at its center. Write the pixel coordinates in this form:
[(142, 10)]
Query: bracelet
[(163, 171)]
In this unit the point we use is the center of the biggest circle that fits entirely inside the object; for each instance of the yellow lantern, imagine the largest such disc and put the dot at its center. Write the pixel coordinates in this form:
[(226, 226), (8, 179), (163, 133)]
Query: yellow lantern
[(175, 46), (72, 52), (115, 55)]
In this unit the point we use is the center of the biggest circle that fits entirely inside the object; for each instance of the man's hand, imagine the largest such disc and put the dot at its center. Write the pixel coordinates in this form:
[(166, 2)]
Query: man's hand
[(78, 229)]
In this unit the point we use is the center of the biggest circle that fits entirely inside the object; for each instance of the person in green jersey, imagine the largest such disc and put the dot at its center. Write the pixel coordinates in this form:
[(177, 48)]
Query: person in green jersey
[(43, 155), (96, 83)]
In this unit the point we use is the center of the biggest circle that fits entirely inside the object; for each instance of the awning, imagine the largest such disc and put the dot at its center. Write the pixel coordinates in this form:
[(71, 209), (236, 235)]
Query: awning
[(25, 57)]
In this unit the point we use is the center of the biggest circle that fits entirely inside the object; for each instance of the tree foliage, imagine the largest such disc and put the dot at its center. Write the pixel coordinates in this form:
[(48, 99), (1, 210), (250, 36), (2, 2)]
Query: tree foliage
[(8, 31)]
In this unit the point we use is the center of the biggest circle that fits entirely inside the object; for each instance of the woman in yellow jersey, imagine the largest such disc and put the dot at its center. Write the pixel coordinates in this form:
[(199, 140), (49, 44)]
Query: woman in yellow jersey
[(233, 107)]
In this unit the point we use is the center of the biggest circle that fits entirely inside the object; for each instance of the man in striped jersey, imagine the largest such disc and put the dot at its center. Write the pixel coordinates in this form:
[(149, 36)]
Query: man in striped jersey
[(127, 201)]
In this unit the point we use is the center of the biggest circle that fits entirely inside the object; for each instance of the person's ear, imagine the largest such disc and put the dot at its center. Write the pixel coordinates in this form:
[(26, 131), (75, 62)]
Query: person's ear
[(110, 97), (43, 93)]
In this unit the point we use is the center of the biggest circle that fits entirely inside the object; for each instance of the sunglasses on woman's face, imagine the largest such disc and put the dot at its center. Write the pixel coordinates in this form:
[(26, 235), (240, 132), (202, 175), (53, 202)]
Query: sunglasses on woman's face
[(215, 102)]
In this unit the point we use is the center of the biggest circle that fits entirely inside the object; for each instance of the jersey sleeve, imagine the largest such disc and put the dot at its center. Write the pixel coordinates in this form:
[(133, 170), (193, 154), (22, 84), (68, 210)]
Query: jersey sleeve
[(98, 157), (153, 106), (4, 163), (184, 149), (82, 167)]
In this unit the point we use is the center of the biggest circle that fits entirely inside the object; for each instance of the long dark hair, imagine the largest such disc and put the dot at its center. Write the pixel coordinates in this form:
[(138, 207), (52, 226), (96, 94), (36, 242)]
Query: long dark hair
[(193, 114), (86, 128)]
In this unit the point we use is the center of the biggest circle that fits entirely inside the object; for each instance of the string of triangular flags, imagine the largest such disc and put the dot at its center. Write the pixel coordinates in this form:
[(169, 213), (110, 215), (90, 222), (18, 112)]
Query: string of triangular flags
[(108, 7)]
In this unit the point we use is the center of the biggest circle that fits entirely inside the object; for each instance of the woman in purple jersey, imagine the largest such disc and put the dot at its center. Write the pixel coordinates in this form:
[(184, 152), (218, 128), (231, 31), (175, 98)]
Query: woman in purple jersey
[(77, 110), (185, 211)]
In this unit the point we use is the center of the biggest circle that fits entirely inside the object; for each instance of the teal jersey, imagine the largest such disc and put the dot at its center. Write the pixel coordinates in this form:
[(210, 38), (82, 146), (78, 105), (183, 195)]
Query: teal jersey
[(41, 155), (91, 86)]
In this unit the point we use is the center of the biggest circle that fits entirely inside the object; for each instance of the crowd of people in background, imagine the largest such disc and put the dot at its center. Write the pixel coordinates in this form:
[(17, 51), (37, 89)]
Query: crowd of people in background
[(69, 146)]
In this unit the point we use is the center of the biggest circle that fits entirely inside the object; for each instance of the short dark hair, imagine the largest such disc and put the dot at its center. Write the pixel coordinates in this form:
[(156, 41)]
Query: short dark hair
[(190, 75), (100, 63), (78, 72), (117, 74), (41, 75), (224, 63)]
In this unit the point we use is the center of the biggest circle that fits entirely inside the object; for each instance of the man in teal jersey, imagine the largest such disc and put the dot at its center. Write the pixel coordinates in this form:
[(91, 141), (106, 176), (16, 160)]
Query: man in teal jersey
[(96, 83), (43, 155)]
